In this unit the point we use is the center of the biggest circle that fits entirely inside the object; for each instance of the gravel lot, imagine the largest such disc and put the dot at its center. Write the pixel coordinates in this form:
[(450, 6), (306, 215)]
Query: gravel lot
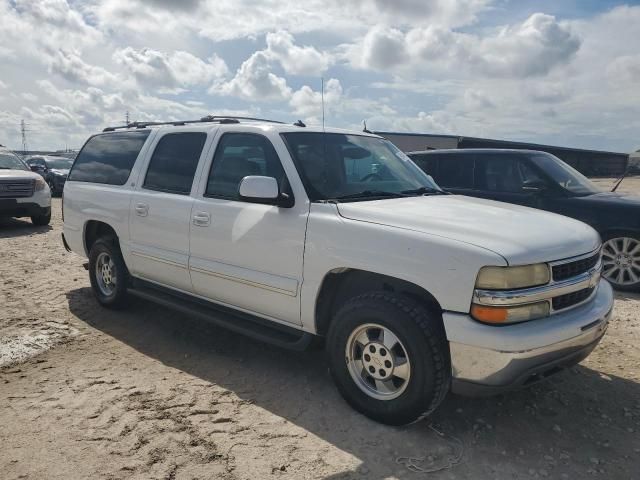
[(145, 393)]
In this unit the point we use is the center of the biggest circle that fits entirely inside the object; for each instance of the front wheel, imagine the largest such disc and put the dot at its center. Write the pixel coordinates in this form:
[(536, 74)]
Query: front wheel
[(389, 357), (108, 273), (621, 261), (41, 220)]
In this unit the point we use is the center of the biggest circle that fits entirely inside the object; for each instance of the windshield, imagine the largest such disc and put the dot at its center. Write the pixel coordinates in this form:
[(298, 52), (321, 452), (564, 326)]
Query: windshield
[(9, 161), (564, 175), (60, 163), (335, 166)]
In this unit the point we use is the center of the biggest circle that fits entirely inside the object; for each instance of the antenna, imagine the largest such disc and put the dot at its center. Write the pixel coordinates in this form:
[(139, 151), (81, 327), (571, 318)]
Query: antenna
[(322, 93)]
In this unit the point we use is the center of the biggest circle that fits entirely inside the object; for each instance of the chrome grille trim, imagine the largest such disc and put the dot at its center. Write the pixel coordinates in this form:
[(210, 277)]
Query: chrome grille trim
[(17, 188)]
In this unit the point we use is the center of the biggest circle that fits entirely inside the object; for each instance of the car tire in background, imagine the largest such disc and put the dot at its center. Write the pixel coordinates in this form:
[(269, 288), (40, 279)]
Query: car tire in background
[(108, 273), (621, 260), (389, 357), (41, 220)]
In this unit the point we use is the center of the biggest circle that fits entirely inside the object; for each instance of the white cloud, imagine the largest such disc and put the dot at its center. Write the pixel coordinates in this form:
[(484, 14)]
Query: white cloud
[(531, 48), (383, 48), (73, 68), (294, 59), (255, 81), (625, 69), (234, 19), (154, 69), (307, 103)]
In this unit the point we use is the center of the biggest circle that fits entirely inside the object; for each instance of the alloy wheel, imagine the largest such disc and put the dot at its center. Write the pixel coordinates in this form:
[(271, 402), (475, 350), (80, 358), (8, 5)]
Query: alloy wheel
[(106, 274), (621, 260), (378, 362)]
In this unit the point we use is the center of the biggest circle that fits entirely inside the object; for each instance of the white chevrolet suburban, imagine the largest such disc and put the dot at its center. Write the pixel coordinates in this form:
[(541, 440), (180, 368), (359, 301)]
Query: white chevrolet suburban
[(23, 193), (288, 233)]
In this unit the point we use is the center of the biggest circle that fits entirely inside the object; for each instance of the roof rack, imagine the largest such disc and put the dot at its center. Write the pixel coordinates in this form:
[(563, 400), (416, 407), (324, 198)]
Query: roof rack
[(223, 119)]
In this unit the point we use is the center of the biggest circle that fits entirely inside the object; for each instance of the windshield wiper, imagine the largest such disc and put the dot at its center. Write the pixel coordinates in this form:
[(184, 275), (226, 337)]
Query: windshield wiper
[(424, 191), (369, 194)]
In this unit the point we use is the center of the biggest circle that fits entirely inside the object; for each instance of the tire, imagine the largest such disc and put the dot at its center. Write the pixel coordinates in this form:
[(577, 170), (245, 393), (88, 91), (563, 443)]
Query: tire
[(621, 260), (41, 220), (420, 334), (110, 288)]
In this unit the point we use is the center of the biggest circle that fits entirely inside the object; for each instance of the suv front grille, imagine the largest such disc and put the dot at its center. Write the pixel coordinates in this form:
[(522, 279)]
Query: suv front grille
[(16, 188), (571, 299), (572, 269)]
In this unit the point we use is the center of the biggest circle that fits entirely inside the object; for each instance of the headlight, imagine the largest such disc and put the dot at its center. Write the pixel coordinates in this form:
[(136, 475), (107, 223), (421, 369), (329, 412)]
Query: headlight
[(505, 315), (40, 183), (506, 278)]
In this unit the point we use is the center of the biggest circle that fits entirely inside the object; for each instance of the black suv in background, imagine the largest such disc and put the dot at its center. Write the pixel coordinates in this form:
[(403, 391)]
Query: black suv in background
[(541, 180), (53, 169)]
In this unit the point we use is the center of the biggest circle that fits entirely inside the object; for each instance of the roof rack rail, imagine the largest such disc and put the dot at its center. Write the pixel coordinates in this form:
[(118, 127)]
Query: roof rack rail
[(223, 119)]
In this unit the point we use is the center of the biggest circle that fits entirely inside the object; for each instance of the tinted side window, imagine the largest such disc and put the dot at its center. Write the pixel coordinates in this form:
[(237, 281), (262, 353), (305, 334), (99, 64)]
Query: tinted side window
[(455, 171), (239, 155), (427, 163), (108, 158), (501, 173), (174, 162)]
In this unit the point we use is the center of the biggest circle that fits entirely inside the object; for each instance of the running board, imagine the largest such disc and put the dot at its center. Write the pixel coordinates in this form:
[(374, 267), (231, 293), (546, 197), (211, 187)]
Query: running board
[(239, 322)]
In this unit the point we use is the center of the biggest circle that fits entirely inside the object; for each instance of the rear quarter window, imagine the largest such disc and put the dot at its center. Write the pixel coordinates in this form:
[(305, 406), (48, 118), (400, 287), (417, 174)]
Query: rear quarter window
[(108, 158)]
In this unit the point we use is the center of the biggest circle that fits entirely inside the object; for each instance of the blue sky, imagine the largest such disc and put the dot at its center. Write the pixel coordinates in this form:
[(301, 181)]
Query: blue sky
[(559, 72)]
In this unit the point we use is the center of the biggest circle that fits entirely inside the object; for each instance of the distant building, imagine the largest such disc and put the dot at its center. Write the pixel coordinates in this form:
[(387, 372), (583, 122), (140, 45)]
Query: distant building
[(593, 163)]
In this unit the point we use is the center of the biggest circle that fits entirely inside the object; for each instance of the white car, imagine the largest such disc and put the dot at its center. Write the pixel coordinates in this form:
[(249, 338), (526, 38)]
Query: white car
[(287, 233), (22, 192)]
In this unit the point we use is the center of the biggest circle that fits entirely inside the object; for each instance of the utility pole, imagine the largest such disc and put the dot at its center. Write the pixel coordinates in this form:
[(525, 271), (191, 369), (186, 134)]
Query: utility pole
[(23, 131)]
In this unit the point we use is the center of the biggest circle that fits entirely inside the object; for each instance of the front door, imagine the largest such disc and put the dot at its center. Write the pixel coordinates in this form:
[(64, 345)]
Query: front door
[(505, 178), (161, 210), (247, 255)]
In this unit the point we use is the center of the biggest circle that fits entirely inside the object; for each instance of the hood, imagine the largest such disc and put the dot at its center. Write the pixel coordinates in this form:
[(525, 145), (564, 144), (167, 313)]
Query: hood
[(60, 171), (618, 199), (519, 234), (11, 174)]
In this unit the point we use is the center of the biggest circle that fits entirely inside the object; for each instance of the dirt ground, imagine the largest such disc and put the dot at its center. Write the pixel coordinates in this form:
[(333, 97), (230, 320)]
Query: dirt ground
[(145, 393)]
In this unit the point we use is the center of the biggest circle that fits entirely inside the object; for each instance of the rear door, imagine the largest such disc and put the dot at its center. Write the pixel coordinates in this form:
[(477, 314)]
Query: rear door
[(161, 208)]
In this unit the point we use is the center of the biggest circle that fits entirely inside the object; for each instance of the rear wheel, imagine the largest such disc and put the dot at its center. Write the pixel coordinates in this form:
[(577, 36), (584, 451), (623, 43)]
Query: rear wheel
[(108, 273), (621, 261), (389, 357)]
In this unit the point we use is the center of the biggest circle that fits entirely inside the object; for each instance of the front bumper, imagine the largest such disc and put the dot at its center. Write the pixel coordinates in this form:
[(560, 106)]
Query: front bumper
[(12, 208), (489, 359)]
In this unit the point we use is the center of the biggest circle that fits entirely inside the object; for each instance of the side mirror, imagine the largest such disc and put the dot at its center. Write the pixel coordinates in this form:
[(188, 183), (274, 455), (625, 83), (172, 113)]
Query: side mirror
[(534, 186), (260, 189)]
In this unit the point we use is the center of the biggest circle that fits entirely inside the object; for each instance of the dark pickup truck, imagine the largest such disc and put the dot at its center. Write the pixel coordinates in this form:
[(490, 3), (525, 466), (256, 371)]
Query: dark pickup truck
[(541, 180)]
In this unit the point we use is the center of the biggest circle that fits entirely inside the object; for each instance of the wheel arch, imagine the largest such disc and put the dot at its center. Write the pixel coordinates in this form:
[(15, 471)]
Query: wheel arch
[(95, 229), (610, 231), (341, 284)]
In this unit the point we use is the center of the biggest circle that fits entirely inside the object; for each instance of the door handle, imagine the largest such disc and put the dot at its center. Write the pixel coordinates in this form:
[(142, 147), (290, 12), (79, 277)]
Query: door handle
[(141, 209), (201, 219)]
